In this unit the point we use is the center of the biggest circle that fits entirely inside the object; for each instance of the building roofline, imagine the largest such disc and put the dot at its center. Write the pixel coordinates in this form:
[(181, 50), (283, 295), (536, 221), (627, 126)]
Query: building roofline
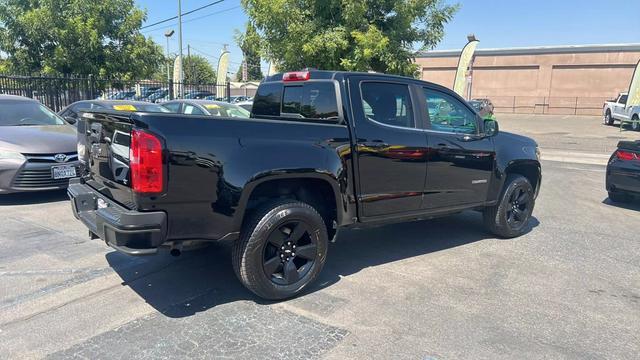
[(537, 50)]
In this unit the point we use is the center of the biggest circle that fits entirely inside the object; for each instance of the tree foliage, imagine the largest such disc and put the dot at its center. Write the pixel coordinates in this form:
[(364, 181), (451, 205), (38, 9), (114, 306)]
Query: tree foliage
[(355, 35), (249, 43), (197, 70), (77, 36)]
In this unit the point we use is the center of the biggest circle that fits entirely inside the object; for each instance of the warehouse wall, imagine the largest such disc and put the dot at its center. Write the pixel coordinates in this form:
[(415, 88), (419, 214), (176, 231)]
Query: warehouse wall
[(537, 81)]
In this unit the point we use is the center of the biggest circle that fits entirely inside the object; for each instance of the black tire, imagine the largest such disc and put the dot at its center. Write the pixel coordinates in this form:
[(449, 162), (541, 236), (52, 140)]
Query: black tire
[(503, 219), (635, 125), (256, 252), (619, 197), (608, 119)]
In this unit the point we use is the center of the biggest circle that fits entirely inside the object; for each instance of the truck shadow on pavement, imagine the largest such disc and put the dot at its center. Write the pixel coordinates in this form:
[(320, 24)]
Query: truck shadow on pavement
[(199, 280), (33, 198), (631, 205)]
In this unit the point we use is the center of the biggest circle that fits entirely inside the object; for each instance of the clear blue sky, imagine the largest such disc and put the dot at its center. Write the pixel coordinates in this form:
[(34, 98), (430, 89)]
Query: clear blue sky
[(497, 23)]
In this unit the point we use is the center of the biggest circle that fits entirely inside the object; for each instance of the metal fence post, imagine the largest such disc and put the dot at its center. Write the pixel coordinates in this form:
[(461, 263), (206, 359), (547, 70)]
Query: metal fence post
[(575, 109), (171, 94), (228, 92)]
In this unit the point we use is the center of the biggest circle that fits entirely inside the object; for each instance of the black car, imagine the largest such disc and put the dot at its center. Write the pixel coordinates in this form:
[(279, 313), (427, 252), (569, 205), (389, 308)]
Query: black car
[(623, 172), (323, 150), (199, 94)]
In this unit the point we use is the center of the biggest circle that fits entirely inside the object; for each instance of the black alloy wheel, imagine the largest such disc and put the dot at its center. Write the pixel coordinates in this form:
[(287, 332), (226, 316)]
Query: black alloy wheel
[(289, 253), (510, 216), (518, 210), (281, 250)]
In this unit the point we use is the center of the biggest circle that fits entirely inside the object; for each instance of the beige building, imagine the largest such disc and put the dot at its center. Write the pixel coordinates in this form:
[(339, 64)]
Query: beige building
[(549, 80)]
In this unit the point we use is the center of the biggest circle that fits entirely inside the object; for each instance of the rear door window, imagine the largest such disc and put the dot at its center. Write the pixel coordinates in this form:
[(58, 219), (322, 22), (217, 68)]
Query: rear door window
[(312, 100), (387, 103), (173, 107), (267, 100), (191, 110)]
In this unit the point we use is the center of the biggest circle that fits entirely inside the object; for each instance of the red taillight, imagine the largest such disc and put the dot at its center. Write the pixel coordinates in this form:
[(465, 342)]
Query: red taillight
[(626, 155), (296, 76), (145, 162)]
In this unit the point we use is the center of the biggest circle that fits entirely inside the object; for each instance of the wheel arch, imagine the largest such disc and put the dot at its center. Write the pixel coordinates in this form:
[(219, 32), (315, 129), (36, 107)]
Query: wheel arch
[(320, 190), (530, 169)]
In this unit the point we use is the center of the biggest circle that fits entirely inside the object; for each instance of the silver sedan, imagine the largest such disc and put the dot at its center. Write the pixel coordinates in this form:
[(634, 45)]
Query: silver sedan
[(38, 148)]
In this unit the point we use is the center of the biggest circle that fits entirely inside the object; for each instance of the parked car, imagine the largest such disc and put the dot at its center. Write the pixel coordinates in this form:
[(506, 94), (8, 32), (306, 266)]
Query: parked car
[(70, 113), (158, 95), (247, 104), (37, 147), (145, 92), (122, 95), (238, 98), (618, 110), (623, 172), (484, 107), (323, 150), (206, 107), (199, 94)]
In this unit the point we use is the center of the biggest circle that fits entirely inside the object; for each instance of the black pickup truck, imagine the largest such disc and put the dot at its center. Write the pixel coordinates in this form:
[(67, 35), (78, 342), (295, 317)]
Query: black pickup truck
[(322, 150)]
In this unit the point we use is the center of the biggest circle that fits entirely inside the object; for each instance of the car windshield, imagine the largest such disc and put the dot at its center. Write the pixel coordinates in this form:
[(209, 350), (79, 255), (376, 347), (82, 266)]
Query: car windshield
[(140, 107), (227, 110), (27, 113)]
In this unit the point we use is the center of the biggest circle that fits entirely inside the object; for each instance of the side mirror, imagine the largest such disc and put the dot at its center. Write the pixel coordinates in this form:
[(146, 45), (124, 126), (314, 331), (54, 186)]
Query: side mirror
[(491, 127), (71, 120)]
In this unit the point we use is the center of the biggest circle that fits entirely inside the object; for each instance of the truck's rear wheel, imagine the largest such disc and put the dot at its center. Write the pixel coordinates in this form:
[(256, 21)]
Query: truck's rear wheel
[(635, 125), (608, 119), (282, 249), (510, 216)]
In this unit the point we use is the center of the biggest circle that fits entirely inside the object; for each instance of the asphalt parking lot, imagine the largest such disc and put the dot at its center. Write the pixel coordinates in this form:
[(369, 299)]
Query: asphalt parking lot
[(438, 289)]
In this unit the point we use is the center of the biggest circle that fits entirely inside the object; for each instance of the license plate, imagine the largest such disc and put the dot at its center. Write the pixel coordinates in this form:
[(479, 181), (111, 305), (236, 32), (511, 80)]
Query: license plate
[(63, 172)]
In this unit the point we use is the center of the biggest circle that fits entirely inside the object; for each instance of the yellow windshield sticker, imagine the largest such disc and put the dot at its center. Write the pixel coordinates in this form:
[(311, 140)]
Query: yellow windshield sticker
[(124, 107), (212, 106)]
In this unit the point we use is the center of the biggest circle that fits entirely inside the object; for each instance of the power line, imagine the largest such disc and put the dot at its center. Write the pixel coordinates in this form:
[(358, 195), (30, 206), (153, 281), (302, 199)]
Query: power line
[(191, 20), (183, 14)]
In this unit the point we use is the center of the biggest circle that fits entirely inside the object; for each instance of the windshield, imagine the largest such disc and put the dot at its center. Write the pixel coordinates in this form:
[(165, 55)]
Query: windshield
[(140, 107), (26, 113), (227, 110)]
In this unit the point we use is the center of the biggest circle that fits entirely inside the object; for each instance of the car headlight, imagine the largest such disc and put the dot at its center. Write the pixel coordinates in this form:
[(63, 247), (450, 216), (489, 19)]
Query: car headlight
[(11, 155)]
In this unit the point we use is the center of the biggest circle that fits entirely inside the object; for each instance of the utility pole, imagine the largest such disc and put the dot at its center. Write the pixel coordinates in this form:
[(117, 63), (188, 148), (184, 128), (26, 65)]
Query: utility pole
[(189, 58), (180, 72)]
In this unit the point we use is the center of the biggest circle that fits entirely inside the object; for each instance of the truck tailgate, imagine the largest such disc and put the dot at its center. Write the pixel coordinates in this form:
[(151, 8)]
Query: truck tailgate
[(106, 139)]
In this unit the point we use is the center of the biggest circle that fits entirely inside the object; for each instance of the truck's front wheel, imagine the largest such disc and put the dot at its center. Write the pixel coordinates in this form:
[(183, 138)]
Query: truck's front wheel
[(282, 249), (510, 216), (608, 119)]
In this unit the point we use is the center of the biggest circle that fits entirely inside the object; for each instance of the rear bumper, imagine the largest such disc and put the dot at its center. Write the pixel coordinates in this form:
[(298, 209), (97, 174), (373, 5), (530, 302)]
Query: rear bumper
[(623, 178), (128, 231)]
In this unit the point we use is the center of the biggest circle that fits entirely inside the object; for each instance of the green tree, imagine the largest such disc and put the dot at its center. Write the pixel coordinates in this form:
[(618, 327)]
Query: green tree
[(356, 35), (77, 36), (197, 70), (249, 43)]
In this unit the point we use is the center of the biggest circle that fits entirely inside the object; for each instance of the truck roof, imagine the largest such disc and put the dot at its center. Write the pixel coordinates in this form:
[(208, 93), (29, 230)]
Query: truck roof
[(330, 74)]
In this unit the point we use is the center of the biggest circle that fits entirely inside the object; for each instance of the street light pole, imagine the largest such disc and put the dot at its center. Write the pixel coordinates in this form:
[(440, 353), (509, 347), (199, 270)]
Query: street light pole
[(168, 34), (180, 73)]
